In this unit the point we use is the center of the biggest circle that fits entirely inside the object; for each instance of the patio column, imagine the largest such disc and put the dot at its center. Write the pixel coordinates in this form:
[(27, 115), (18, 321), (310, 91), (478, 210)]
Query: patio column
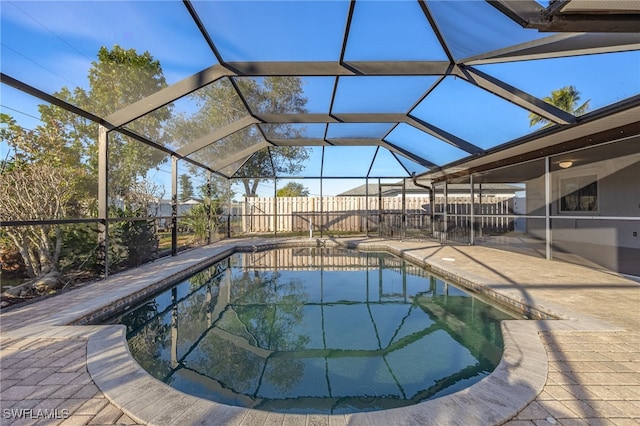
[(366, 205), (472, 231), (321, 210), (321, 223), (445, 226), (432, 210), (275, 207), (209, 229), (481, 209), (380, 218), (103, 195), (403, 231), (174, 205), (229, 209), (547, 209)]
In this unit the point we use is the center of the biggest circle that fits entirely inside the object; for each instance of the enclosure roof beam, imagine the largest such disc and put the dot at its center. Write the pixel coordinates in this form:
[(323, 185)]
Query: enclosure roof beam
[(390, 118), (516, 96), (328, 68), (299, 142), (354, 141), (327, 142), (335, 68), (332, 118), (26, 88), (146, 141), (203, 30), (167, 95), (436, 30), (228, 160), (217, 135), (410, 155), (443, 135)]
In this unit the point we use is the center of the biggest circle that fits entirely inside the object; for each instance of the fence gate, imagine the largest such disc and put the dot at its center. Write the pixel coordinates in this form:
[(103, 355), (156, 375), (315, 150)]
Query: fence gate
[(391, 212)]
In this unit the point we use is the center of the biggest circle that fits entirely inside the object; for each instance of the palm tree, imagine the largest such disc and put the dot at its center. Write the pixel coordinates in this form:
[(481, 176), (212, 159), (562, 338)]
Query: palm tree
[(566, 99)]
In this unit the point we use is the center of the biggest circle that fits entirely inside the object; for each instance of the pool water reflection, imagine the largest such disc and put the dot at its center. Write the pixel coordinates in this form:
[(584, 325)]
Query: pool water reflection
[(315, 331)]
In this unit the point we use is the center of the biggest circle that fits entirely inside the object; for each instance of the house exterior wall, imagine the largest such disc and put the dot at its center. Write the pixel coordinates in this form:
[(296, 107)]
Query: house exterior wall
[(611, 243)]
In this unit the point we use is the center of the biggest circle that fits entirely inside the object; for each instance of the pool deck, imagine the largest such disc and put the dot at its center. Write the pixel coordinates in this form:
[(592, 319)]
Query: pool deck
[(581, 370)]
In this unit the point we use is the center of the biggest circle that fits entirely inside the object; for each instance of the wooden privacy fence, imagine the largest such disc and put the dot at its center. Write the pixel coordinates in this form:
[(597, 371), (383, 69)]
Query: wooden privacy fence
[(493, 215), (312, 259), (350, 214)]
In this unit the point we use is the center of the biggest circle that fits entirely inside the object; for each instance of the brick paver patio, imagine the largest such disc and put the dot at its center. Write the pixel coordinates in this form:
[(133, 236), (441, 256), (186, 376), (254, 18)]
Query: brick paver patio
[(45, 381), (593, 355)]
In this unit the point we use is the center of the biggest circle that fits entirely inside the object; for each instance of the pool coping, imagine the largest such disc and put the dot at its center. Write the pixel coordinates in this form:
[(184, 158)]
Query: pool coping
[(517, 380)]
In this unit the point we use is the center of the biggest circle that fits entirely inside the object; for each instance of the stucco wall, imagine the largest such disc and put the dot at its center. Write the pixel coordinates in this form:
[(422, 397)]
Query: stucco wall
[(605, 242)]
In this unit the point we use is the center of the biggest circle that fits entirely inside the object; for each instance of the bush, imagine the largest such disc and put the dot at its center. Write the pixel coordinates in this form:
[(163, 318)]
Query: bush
[(197, 218), (132, 242)]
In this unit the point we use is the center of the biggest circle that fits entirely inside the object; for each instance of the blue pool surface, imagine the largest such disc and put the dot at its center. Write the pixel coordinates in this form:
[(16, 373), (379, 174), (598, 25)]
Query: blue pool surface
[(315, 330)]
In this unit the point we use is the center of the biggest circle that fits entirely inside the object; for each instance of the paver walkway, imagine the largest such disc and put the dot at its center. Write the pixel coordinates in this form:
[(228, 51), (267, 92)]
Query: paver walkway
[(45, 381), (593, 357), (593, 380)]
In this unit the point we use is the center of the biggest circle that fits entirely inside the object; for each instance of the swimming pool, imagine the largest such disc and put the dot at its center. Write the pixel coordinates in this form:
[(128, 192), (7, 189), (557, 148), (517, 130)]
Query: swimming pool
[(315, 330)]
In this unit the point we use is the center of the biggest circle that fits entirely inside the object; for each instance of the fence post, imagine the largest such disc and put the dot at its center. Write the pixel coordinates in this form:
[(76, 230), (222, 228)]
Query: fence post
[(244, 215)]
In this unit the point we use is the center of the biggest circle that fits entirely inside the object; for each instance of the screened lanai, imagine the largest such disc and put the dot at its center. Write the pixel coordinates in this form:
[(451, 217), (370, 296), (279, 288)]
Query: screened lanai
[(475, 105)]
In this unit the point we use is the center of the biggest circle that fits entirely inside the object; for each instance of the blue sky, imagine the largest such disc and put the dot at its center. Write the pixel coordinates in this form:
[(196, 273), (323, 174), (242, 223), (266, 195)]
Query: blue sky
[(52, 44)]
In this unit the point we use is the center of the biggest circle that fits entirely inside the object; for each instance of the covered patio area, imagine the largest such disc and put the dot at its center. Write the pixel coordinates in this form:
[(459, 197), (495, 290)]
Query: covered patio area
[(495, 143), (581, 367)]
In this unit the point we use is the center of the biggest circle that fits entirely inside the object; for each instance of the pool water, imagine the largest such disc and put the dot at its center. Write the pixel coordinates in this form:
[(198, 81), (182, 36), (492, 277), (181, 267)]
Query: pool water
[(312, 330)]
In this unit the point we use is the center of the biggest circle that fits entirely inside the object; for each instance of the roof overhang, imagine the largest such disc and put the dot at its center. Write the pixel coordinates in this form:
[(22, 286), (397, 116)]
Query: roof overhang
[(619, 16)]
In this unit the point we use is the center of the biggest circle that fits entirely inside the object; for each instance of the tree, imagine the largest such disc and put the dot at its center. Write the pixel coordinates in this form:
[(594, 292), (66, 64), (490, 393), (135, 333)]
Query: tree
[(119, 78), (219, 105), (566, 99), (186, 187), (293, 189), (52, 173), (134, 242), (40, 180)]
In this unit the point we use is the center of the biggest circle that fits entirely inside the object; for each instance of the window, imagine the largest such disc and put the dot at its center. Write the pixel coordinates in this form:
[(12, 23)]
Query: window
[(579, 194)]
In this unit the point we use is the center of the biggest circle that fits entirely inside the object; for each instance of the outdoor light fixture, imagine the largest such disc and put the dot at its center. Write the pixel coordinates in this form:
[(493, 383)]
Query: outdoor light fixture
[(565, 164)]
